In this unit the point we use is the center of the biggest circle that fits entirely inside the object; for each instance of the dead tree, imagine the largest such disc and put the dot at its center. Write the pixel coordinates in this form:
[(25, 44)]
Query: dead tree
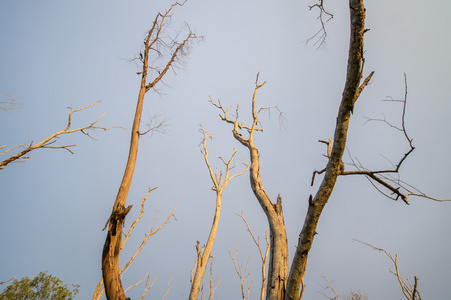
[(353, 88), (280, 285), (263, 257), (242, 274), (99, 288), (219, 184), (49, 142), (278, 259), (154, 44)]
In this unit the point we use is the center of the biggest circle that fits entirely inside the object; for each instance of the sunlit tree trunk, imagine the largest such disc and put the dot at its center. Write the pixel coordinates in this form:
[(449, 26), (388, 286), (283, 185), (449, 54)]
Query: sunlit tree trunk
[(278, 257), (219, 185), (111, 250), (112, 246)]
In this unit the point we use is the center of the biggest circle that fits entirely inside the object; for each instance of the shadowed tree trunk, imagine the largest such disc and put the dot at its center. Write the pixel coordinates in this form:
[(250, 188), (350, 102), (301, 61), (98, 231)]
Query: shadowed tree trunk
[(335, 165)]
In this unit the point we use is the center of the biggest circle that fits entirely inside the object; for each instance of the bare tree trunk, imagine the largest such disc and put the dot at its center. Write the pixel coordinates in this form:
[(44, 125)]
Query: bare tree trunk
[(278, 255), (335, 164), (278, 259), (219, 184), (112, 246), (203, 256)]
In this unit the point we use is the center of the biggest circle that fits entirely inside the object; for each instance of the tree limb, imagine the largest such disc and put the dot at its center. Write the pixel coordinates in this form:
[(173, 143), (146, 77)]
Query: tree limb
[(410, 292), (396, 186), (53, 138)]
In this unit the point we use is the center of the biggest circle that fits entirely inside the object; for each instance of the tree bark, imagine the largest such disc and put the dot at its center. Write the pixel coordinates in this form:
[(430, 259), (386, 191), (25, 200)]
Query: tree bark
[(335, 164), (219, 185), (278, 257), (111, 249), (202, 257)]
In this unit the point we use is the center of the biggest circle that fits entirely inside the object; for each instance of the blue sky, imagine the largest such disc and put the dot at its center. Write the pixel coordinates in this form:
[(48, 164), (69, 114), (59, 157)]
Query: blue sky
[(57, 53)]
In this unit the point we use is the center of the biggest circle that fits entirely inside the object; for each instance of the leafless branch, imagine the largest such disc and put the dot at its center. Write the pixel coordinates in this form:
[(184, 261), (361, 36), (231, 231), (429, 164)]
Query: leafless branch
[(384, 178), (146, 238), (409, 291), (3, 282), (329, 149), (139, 217), (256, 124), (133, 285), (148, 287), (219, 184), (9, 104), (335, 293), (212, 288), (169, 287), (263, 257), (53, 138), (99, 290), (162, 46), (155, 125), (324, 17), (363, 85), (242, 274)]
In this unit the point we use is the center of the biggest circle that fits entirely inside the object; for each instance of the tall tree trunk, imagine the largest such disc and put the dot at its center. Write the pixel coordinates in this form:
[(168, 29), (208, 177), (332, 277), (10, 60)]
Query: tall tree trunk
[(335, 164), (203, 253), (112, 246), (278, 259), (278, 255), (203, 256)]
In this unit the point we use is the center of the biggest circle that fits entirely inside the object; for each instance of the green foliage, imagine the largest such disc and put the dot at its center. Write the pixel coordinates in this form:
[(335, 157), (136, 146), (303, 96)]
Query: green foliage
[(42, 287)]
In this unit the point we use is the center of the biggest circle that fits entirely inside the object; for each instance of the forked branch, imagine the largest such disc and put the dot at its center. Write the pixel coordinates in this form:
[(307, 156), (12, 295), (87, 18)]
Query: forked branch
[(329, 152), (219, 184), (385, 178), (278, 262), (99, 290), (409, 291), (263, 257), (242, 274), (49, 142), (323, 17), (9, 104)]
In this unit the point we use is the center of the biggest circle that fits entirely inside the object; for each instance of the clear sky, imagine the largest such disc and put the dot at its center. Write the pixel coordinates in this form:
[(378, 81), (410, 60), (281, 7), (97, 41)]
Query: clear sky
[(57, 53)]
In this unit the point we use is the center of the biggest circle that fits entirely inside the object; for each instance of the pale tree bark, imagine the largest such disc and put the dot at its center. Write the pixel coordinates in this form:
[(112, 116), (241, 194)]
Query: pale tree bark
[(242, 274), (278, 259), (409, 291), (263, 257), (219, 184), (9, 104), (152, 44), (335, 165), (50, 141)]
